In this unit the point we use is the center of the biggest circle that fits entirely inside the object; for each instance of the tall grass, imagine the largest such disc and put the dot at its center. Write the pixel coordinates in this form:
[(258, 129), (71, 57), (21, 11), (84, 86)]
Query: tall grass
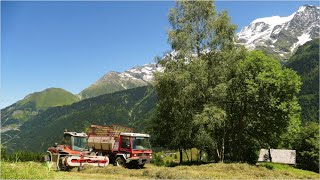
[(25, 170), (208, 171), (21, 156), (33, 170)]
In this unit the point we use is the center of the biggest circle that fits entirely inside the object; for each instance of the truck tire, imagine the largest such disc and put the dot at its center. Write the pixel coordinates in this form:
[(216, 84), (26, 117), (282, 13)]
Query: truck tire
[(120, 162)]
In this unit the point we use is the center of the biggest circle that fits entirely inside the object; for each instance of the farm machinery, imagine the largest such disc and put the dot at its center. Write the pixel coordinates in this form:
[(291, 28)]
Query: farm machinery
[(100, 146)]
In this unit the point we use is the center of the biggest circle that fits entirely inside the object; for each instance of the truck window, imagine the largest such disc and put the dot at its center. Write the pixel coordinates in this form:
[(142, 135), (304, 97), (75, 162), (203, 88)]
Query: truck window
[(125, 142), (141, 143), (79, 143), (66, 140)]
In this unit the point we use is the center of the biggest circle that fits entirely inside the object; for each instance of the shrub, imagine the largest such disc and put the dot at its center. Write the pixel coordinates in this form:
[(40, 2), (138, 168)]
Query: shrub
[(157, 160), (267, 165)]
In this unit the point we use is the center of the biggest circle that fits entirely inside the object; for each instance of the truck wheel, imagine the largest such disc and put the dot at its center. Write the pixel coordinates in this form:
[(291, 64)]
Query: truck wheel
[(120, 162)]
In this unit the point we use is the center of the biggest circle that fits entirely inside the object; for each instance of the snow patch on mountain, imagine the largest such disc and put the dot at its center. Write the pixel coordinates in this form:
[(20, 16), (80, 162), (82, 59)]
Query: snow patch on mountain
[(301, 40), (144, 72), (301, 9), (282, 35), (274, 20), (261, 29)]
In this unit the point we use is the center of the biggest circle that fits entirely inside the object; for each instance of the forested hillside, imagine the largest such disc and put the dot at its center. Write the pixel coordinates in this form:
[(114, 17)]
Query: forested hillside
[(306, 62), (35, 103), (130, 108)]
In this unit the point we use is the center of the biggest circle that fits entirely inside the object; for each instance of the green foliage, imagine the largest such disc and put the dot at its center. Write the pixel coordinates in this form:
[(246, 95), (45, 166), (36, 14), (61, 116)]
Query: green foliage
[(182, 88), (307, 147), (157, 160), (262, 104), (210, 135), (226, 101), (196, 26), (306, 62)]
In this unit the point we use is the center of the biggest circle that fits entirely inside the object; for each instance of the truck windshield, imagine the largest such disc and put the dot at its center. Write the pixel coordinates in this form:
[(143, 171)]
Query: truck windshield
[(79, 143), (141, 143)]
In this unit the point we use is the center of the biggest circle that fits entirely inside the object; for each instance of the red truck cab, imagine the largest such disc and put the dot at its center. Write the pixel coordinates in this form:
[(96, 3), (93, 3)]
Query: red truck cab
[(134, 149)]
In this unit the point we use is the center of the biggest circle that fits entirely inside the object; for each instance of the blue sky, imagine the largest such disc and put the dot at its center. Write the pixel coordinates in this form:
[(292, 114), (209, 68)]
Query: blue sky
[(72, 44)]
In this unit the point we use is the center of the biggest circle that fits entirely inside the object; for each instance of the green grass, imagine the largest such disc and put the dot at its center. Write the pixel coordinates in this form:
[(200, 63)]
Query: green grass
[(25, 170), (32, 170)]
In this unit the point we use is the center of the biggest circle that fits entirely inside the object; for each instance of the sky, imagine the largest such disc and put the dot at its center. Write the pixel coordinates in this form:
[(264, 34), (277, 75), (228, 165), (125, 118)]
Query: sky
[(71, 45)]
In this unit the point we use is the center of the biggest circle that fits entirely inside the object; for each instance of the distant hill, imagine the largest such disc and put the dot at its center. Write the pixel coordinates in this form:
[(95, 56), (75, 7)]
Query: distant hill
[(306, 62), (34, 103), (129, 108), (115, 81)]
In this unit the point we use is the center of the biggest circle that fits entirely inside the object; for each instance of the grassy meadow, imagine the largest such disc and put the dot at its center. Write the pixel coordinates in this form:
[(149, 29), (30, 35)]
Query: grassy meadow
[(33, 170)]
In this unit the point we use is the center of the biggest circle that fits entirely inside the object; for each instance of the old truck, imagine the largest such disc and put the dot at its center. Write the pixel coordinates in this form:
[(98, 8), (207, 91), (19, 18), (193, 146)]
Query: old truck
[(101, 145)]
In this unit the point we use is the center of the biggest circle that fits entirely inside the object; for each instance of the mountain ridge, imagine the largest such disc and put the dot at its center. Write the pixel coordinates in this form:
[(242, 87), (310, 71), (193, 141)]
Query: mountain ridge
[(282, 35), (113, 81), (34, 103)]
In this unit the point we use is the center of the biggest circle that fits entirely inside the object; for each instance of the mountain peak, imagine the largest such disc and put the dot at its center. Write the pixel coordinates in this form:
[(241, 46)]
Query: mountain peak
[(307, 7), (116, 81), (34, 103), (274, 20), (282, 35)]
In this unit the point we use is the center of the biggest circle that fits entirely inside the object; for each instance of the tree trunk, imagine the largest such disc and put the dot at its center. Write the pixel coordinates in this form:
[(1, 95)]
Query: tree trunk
[(180, 150), (223, 141), (222, 151), (187, 155), (269, 151), (218, 154)]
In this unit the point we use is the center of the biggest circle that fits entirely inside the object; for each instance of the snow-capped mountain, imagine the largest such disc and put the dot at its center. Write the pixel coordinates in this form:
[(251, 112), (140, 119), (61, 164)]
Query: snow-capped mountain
[(279, 36), (144, 72), (282, 35), (115, 81)]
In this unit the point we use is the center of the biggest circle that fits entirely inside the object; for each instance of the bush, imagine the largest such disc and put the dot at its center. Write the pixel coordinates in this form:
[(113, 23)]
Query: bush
[(171, 164), (157, 160), (269, 166)]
